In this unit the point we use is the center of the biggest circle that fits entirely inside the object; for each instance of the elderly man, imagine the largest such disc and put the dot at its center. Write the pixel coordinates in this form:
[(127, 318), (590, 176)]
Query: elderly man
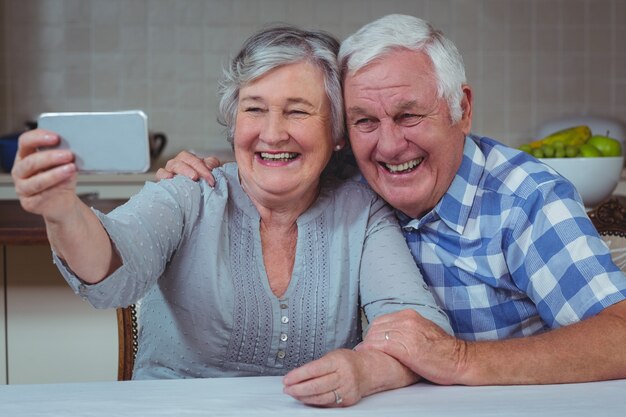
[(504, 243)]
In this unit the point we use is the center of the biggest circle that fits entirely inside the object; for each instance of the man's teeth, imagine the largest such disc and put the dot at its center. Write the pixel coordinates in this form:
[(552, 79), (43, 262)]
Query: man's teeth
[(405, 166), (283, 156)]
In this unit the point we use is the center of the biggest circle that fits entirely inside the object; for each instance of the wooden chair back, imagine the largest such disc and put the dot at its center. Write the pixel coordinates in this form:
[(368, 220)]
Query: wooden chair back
[(609, 218), (127, 332)]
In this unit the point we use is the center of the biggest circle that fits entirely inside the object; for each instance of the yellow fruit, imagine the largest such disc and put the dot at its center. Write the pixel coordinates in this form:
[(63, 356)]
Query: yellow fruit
[(574, 136), (571, 151), (548, 151), (537, 153), (606, 145)]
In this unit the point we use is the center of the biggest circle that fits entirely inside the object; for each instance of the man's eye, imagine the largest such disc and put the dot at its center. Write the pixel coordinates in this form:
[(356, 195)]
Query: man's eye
[(365, 124), (409, 119)]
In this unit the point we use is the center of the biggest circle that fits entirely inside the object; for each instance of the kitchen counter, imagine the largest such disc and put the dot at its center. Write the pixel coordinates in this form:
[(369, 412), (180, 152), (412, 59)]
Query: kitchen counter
[(115, 186), (621, 185), (103, 186), (5, 178), (18, 227)]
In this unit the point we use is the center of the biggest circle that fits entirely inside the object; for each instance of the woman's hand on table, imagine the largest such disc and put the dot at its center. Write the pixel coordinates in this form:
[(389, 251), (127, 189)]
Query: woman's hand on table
[(191, 166), (342, 377), (45, 180)]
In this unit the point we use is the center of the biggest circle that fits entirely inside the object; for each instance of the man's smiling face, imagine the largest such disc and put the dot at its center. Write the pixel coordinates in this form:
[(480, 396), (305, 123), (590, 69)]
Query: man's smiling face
[(401, 131)]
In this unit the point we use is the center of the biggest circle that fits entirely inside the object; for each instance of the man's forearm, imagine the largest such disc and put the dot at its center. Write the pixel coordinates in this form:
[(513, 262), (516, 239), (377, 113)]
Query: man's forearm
[(594, 349)]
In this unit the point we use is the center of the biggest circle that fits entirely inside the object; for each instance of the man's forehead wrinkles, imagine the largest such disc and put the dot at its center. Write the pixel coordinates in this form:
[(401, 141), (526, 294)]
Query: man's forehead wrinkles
[(405, 104), (397, 105), (355, 110), (369, 88)]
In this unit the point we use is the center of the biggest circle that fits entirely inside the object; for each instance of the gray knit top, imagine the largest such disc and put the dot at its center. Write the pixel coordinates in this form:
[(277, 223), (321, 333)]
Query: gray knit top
[(192, 254)]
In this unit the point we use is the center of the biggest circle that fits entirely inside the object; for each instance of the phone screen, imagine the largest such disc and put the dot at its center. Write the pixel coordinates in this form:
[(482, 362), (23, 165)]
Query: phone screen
[(103, 141)]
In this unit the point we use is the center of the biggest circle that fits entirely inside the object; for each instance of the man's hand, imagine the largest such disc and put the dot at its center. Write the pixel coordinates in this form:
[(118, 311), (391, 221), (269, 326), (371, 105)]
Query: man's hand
[(191, 166), (420, 345)]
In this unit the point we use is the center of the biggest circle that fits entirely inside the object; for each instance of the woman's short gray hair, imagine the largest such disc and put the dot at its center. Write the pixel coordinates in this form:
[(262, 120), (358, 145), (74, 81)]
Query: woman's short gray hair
[(274, 47), (396, 31)]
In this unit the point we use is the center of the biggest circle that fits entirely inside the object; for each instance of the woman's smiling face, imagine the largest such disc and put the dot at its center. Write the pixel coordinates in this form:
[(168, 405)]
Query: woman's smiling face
[(283, 138)]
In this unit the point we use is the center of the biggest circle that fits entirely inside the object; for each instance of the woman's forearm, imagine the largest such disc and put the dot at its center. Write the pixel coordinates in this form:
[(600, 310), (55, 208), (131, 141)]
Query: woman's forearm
[(82, 242), (383, 372)]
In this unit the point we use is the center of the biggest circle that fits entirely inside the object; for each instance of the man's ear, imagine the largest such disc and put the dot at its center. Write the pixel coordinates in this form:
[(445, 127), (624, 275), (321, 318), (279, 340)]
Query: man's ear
[(465, 124)]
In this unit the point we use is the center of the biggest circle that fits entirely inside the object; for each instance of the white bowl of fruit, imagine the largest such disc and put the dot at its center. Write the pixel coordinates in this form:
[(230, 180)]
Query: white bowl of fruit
[(593, 163)]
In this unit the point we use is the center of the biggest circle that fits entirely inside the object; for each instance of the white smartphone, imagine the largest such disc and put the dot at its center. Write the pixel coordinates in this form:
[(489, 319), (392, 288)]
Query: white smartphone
[(107, 142)]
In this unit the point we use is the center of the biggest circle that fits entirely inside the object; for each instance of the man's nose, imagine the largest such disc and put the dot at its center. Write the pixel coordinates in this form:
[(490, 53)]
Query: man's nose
[(391, 140), (274, 128)]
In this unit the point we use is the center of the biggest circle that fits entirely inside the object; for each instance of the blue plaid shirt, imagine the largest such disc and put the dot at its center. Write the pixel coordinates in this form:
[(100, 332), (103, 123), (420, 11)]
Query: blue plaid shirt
[(509, 250)]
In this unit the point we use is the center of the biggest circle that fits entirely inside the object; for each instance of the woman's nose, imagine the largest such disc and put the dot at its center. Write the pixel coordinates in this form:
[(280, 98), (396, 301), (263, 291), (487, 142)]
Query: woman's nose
[(274, 129)]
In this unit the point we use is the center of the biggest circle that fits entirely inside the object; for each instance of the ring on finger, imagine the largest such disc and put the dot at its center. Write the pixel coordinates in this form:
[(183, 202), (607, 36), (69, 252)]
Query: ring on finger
[(338, 399)]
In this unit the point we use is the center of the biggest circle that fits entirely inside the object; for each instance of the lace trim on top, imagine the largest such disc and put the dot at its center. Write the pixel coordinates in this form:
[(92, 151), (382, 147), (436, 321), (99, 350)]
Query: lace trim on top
[(252, 322), (254, 317), (310, 298)]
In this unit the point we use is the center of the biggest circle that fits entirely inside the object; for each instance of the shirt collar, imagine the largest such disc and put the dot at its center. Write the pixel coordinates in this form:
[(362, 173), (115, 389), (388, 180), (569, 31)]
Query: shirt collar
[(455, 206)]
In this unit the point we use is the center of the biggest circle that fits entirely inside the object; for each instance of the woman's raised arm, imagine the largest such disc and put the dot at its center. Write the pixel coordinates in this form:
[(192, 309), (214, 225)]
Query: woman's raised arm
[(45, 182)]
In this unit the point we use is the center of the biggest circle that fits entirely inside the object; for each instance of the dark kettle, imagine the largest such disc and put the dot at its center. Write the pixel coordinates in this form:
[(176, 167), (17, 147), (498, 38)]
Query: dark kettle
[(158, 141)]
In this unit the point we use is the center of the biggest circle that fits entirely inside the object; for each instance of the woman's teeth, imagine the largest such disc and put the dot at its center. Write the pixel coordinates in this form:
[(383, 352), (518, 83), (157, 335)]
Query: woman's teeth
[(407, 166), (283, 156)]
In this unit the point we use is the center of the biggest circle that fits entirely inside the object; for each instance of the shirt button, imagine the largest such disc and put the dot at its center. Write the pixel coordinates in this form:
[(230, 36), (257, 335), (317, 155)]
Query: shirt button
[(281, 354), (284, 306), (284, 319), (283, 337)]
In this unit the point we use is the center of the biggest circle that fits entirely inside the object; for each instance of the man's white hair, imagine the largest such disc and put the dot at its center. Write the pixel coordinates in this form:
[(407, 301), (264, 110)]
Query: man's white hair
[(392, 32)]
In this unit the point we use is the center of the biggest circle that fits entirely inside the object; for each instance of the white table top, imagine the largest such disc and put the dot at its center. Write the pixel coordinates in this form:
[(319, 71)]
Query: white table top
[(262, 396)]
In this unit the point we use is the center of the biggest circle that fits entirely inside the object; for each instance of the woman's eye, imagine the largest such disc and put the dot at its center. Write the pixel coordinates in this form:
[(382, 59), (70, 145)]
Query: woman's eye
[(298, 112), (252, 109)]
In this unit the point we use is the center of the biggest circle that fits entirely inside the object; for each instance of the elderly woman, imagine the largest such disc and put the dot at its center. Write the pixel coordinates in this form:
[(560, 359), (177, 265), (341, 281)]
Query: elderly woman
[(262, 274)]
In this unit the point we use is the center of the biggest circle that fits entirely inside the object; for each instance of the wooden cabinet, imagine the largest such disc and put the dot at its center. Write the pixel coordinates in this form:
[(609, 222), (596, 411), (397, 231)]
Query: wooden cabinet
[(49, 334), (52, 335), (3, 340)]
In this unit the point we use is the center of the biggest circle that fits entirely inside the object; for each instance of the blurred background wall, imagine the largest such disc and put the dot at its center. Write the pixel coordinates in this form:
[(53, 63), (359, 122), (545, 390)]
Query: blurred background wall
[(527, 60)]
